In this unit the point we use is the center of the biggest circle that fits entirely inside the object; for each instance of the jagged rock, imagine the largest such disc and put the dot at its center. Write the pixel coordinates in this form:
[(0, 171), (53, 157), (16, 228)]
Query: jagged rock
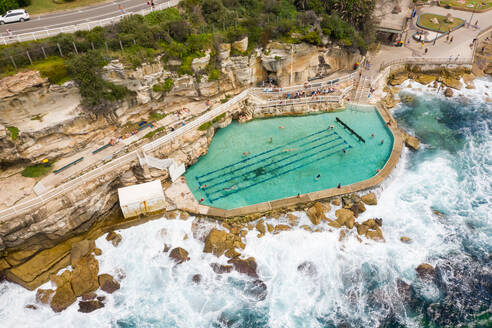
[(293, 219), (167, 247), (224, 51), (398, 78), (448, 92), (269, 227), (370, 199), (335, 224), (241, 45), (379, 221), (197, 278), (179, 255), (80, 249), (281, 227), (353, 203), (63, 298), (405, 291), (89, 306), (308, 268), (200, 63), (406, 240), (232, 253), (336, 201), (425, 78), (376, 234), (220, 268), (247, 266), (371, 223), (89, 296), (84, 275), (114, 237), (361, 229), (44, 295), (216, 242), (107, 283), (184, 215), (412, 142), (451, 82), (316, 213), (31, 307), (97, 251), (257, 289), (261, 227), (342, 236), (343, 215), (426, 271)]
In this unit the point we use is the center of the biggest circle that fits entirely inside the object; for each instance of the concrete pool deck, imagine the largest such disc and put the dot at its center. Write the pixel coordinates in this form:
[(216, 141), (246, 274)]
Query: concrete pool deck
[(181, 195)]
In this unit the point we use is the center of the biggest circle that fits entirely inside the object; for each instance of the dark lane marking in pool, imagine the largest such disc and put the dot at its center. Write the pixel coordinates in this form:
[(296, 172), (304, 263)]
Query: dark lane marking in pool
[(262, 153), (202, 182), (245, 176), (281, 160), (277, 175)]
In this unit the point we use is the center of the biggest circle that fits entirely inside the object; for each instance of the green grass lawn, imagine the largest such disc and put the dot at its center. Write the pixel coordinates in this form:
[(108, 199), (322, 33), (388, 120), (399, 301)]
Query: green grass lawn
[(443, 26), (47, 6), (478, 4), (38, 170)]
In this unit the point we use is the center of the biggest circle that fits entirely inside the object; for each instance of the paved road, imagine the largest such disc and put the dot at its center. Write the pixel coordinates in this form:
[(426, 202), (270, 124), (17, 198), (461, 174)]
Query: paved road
[(76, 16)]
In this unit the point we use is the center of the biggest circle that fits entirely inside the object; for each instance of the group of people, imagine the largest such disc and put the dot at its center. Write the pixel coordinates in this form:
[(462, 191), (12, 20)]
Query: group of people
[(304, 94)]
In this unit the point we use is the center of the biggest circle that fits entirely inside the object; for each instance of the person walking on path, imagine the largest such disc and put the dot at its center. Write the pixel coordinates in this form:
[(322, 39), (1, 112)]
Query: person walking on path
[(122, 10), (451, 39), (426, 50)]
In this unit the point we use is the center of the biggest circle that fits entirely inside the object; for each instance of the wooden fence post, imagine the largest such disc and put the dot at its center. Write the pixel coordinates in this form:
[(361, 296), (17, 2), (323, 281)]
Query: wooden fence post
[(59, 49), (75, 47), (28, 56), (44, 53), (121, 45), (13, 62)]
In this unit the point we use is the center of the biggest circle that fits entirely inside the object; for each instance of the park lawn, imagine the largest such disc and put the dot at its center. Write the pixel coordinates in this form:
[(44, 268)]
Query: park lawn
[(48, 6), (425, 22), (479, 4)]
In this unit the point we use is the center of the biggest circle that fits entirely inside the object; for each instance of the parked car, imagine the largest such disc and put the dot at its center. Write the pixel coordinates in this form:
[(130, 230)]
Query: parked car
[(16, 15)]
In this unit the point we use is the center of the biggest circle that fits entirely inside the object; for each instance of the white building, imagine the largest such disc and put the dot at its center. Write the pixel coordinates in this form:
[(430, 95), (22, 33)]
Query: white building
[(141, 198)]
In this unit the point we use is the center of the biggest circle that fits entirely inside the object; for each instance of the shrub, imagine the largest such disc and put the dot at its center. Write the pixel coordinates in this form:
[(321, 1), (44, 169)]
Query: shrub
[(214, 75), (312, 38), (153, 133), (164, 87), (37, 170), (156, 116), (205, 126), (54, 69), (13, 132)]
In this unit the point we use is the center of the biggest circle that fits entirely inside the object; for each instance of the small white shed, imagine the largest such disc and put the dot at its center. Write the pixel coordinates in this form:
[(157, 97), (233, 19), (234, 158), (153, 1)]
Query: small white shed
[(141, 198)]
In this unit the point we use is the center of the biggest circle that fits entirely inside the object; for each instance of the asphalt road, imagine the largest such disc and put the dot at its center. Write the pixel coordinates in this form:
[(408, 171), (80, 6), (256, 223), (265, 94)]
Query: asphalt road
[(76, 16)]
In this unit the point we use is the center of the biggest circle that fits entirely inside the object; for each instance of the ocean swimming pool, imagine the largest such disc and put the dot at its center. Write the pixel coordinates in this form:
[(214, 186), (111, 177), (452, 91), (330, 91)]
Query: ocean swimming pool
[(269, 159)]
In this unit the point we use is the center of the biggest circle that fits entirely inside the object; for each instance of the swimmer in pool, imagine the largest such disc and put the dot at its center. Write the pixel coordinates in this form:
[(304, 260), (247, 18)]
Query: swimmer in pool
[(331, 127), (271, 139), (382, 141), (318, 176), (372, 135), (231, 188), (281, 127), (344, 151), (290, 149)]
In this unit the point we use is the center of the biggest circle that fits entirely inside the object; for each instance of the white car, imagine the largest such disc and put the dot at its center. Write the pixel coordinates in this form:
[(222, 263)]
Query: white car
[(16, 15)]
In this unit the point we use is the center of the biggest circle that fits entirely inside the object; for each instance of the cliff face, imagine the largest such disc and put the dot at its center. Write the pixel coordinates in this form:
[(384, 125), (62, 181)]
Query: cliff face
[(52, 124)]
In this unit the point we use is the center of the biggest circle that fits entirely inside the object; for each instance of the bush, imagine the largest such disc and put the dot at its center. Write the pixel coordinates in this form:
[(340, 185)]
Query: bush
[(86, 70), (13, 132), (37, 170), (214, 75), (54, 69), (164, 87), (205, 126), (153, 133)]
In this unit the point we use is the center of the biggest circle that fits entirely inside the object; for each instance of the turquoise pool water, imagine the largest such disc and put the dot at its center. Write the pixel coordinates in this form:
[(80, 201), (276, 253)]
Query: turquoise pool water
[(244, 166)]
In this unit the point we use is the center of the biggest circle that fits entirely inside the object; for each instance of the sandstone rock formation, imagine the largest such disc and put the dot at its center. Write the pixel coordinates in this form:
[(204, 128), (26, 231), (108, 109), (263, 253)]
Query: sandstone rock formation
[(370, 199), (316, 213), (179, 255), (89, 306), (108, 283)]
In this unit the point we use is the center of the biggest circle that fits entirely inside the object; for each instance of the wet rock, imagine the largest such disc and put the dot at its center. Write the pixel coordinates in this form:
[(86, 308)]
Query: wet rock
[(217, 242), (179, 255), (184, 215), (425, 79), (376, 235), (220, 268), (172, 215), (44, 295), (398, 78), (405, 240), (63, 298), (269, 228), (84, 275), (80, 249), (260, 226), (281, 227), (379, 221), (370, 199), (31, 307), (371, 223), (448, 92), (101, 298), (97, 251), (426, 271), (114, 238), (232, 253), (353, 203), (197, 278), (342, 236), (89, 306), (405, 292), (257, 289), (336, 201), (293, 219), (306, 227), (316, 213), (308, 268), (335, 224), (246, 266), (343, 215), (89, 296), (108, 283), (167, 247), (361, 229)]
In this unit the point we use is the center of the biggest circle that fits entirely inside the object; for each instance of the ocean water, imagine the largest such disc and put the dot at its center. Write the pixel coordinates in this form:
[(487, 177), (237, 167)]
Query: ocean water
[(351, 284), (301, 148)]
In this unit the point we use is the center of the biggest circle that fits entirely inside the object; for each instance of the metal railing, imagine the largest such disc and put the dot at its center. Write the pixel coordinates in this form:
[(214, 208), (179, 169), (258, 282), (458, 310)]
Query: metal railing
[(45, 33), (303, 87), (424, 60)]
